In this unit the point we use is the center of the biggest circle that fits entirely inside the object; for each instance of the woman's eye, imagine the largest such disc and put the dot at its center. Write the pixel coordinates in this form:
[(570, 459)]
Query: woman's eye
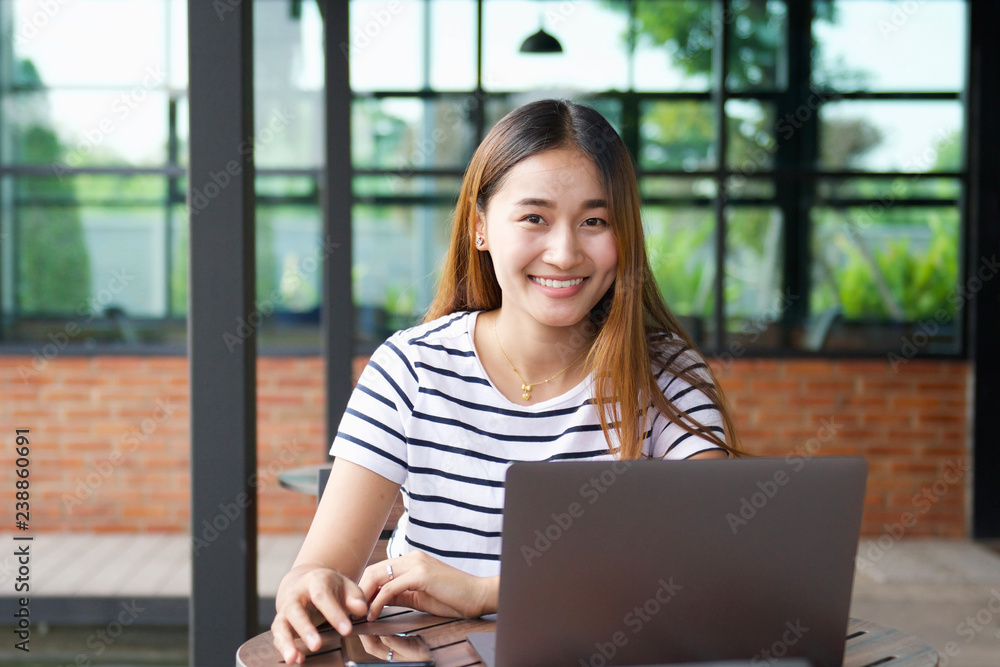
[(594, 222), (532, 218)]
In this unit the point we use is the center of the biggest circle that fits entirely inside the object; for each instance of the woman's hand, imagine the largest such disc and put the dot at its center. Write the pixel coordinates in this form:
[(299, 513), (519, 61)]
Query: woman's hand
[(424, 583), (321, 585), (307, 596)]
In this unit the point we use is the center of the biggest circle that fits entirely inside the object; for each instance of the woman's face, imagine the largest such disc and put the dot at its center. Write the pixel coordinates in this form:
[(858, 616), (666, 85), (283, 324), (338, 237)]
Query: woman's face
[(548, 233)]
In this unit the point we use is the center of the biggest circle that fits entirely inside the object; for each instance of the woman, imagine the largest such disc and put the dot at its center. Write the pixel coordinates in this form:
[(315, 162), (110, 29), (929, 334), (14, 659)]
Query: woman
[(546, 329)]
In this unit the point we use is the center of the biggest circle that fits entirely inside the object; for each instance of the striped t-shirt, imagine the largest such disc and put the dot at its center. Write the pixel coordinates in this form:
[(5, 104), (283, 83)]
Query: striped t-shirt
[(425, 415)]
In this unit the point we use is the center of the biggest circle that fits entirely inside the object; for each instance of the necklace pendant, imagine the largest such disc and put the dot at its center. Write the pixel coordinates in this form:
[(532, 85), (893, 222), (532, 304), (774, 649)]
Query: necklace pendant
[(525, 392)]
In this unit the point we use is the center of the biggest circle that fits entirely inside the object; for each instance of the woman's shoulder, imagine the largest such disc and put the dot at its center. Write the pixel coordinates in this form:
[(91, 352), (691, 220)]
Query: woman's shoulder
[(443, 328), (447, 334), (671, 355), (669, 349)]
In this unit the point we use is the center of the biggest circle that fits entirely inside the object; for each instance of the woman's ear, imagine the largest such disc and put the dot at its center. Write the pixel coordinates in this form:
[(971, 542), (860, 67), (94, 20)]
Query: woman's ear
[(479, 240)]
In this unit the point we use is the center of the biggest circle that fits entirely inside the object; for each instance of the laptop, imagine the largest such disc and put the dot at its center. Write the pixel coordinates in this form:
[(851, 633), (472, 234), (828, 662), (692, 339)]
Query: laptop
[(749, 561)]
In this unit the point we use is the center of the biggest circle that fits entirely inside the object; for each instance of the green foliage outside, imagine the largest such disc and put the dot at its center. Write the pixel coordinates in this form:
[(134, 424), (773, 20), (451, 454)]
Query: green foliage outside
[(679, 245), (53, 265), (899, 264), (896, 263), (898, 280)]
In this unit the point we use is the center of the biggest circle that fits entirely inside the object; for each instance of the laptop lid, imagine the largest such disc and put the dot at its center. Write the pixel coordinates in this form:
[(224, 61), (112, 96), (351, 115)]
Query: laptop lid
[(644, 562)]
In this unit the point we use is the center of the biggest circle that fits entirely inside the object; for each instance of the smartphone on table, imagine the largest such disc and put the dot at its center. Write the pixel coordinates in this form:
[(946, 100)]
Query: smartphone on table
[(400, 649)]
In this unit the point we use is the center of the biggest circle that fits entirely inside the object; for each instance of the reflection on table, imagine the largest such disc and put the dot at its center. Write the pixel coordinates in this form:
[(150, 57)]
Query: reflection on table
[(867, 643)]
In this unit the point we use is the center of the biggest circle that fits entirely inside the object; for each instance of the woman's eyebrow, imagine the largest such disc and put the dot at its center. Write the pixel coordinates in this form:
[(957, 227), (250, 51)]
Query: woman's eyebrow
[(545, 203), (534, 201)]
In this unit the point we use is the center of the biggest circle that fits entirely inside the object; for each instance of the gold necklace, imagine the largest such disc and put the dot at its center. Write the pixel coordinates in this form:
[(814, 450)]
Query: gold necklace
[(525, 387)]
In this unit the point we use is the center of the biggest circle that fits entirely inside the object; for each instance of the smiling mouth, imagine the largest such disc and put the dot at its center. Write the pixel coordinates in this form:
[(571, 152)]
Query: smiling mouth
[(556, 283)]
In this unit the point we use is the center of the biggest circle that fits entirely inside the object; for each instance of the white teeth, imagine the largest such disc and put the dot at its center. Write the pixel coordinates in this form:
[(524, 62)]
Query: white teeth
[(557, 283)]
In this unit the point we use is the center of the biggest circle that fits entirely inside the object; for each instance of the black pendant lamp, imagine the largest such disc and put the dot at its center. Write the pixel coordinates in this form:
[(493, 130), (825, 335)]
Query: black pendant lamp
[(541, 42)]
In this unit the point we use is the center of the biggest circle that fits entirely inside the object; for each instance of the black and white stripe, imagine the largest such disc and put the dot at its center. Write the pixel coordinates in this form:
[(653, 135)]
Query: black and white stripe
[(425, 415)]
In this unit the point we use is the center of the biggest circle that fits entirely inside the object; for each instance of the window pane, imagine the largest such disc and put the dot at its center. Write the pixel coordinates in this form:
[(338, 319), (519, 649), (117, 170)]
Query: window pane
[(677, 135), (68, 129), (453, 44), (289, 257), (885, 45), (751, 142), (890, 190), (94, 43), (289, 130), (287, 186), (682, 257), (755, 298), (674, 45), (179, 261), (758, 41), (387, 49), (595, 52), (397, 252), (288, 85), (86, 255), (392, 184), (899, 267), (681, 188), (742, 187), (891, 136), (409, 134)]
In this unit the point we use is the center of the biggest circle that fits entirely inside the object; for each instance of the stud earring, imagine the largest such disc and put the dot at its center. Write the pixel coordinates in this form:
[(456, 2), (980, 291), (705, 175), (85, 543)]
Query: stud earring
[(480, 241)]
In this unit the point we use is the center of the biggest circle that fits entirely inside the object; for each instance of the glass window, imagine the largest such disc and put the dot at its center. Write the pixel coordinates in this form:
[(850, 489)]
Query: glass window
[(677, 136), (751, 143), (894, 264), (908, 136), (45, 34), (904, 46), (409, 134), (680, 242), (453, 59), (594, 56), (388, 45), (88, 250), (757, 44), (397, 253), (756, 297), (840, 194), (673, 46)]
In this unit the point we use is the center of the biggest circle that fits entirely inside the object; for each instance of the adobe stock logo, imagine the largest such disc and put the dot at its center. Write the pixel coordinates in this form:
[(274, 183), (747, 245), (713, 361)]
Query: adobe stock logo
[(752, 505), (562, 522), (635, 620)]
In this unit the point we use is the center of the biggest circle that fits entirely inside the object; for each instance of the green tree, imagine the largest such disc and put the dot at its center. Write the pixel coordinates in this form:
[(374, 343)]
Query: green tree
[(53, 263)]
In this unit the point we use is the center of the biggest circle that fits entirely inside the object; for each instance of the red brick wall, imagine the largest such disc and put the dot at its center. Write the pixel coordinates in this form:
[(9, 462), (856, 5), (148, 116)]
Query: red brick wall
[(909, 423), (110, 435)]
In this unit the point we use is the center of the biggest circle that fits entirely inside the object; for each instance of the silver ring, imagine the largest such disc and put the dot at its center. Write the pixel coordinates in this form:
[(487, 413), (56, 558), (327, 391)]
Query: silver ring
[(389, 569), (389, 657)]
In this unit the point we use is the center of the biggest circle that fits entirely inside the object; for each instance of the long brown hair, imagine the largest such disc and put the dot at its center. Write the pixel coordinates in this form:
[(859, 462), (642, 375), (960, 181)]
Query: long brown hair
[(628, 317)]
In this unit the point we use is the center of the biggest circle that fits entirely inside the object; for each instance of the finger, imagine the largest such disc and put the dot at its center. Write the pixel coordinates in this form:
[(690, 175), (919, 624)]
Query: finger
[(374, 646), (329, 601), (302, 625), (401, 646), (384, 595), (376, 575), (284, 641), (355, 599)]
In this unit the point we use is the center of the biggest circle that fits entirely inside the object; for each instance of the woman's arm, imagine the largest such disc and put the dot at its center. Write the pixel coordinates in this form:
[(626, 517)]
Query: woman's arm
[(711, 454), (321, 584)]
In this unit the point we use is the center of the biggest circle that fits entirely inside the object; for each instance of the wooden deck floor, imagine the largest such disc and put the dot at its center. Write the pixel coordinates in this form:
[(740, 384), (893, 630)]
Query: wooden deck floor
[(148, 566)]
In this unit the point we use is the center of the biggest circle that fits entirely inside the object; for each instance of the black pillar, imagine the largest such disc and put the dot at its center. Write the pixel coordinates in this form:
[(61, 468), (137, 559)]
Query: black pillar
[(338, 307), (221, 331), (982, 284)]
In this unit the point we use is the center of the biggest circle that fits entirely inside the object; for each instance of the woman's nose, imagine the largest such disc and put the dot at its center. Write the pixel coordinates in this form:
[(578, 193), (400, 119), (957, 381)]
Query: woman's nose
[(564, 247)]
